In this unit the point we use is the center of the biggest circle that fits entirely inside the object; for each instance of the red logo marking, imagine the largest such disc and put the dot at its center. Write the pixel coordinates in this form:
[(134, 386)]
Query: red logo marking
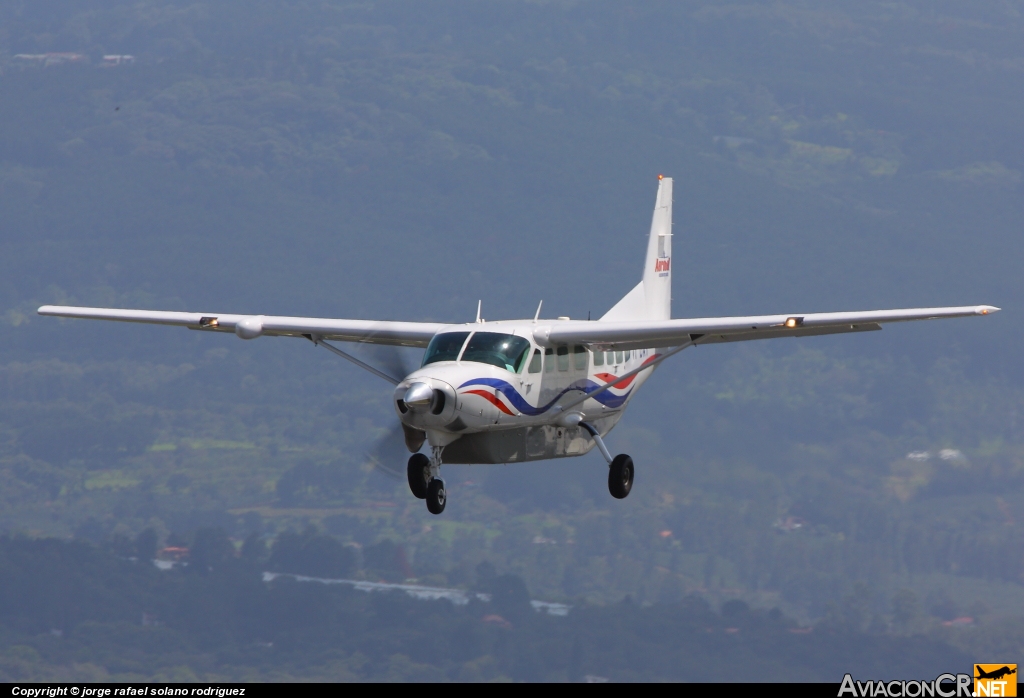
[(608, 378), (663, 264), (625, 382)]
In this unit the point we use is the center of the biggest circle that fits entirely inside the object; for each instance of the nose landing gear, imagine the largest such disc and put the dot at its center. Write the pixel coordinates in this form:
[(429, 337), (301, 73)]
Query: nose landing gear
[(425, 481)]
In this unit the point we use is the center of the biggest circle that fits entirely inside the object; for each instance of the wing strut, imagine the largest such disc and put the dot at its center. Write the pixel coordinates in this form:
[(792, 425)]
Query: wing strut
[(320, 342)]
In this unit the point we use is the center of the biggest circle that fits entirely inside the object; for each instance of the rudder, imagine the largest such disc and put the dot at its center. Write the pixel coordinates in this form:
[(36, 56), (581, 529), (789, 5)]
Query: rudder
[(651, 299)]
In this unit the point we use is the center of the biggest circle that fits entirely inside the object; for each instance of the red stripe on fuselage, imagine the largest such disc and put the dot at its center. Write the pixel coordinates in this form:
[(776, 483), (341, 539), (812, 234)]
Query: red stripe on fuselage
[(491, 398), (625, 382)]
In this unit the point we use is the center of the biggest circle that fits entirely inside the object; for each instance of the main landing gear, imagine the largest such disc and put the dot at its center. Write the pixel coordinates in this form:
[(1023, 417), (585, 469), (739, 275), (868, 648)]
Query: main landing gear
[(620, 476), (425, 480), (620, 468)]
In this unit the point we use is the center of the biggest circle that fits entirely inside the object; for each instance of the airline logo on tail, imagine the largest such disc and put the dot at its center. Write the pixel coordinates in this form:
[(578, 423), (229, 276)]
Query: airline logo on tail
[(663, 264)]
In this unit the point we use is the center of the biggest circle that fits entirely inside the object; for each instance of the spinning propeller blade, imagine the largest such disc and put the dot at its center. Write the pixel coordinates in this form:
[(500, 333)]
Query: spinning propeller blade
[(389, 454), (395, 361)]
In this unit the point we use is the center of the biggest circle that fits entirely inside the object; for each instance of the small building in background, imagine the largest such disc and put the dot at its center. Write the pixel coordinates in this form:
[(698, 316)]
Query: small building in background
[(114, 59), (47, 59), (789, 524)]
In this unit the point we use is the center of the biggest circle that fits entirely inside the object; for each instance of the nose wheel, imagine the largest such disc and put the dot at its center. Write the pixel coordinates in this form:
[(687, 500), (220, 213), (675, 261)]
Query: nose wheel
[(436, 496), (425, 481)]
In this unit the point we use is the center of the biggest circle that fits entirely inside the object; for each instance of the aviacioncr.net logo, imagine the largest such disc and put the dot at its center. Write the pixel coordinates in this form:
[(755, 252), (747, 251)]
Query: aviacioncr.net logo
[(944, 686), (995, 680)]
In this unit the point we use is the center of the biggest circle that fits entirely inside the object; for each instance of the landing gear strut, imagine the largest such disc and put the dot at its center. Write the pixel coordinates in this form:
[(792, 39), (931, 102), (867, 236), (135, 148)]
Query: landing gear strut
[(425, 480), (620, 468)]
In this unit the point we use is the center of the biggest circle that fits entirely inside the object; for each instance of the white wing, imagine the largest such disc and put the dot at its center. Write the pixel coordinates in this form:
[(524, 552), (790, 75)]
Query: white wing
[(666, 333), (413, 334)]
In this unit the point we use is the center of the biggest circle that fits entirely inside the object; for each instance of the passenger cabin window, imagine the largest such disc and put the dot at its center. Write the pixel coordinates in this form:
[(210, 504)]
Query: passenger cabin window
[(599, 358), (502, 350), (535, 362), (618, 357), (563, 358), (444, 347), (579, 358), (549, 360)]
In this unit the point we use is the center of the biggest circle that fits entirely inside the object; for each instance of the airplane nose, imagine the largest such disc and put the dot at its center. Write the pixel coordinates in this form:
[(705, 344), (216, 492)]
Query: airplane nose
[(418, 395)]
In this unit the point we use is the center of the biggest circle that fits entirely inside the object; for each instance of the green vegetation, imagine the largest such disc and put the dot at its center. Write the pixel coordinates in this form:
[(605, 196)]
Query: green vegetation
[(396, 161), (72, 611)]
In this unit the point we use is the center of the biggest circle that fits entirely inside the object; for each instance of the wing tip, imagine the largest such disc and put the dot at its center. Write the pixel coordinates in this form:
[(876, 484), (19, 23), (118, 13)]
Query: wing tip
[(987, 309)]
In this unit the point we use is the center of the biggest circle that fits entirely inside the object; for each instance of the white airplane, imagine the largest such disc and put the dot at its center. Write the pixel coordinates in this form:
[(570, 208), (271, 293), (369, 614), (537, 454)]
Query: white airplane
[(522, 390)]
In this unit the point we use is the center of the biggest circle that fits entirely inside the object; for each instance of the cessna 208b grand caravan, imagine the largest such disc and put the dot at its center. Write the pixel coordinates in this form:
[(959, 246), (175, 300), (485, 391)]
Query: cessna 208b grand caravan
[(522, 390)]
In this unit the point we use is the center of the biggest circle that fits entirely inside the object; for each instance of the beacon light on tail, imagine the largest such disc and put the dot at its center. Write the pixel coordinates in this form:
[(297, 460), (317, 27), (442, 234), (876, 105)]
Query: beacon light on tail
[(512, 391)]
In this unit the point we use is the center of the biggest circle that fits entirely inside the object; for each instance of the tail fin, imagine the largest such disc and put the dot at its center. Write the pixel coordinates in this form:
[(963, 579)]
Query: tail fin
[(651, 299)]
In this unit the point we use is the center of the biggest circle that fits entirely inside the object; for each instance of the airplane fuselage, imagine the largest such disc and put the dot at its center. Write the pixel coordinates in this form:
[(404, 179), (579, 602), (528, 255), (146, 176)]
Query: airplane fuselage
[(500, 395)]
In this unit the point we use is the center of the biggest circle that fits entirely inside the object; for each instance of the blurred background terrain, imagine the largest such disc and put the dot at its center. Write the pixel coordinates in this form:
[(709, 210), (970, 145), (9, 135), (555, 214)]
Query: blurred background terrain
[(802, 508)]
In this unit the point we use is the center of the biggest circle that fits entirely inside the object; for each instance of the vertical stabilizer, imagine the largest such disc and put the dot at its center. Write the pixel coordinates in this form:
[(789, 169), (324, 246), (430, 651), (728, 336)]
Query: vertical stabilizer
[(651, 299)]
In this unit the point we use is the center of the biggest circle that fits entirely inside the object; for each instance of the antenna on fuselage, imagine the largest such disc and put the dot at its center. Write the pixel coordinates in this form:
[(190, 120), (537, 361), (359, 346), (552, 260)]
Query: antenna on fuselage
[(537, 314), (479, 305)]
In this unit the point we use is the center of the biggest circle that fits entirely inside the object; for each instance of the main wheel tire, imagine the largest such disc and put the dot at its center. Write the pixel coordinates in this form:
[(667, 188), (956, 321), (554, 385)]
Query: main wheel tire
[(436, 496), (620, 476), (418, 472)]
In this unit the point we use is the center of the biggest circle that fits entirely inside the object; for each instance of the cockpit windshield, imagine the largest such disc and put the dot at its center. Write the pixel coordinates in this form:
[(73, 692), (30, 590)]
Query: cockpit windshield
[(502, 350), (444, 347)]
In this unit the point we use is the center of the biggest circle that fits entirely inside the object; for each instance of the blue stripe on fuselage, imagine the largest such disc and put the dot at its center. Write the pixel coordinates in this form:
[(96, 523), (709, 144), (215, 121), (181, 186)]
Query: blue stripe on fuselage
[(519, 402)]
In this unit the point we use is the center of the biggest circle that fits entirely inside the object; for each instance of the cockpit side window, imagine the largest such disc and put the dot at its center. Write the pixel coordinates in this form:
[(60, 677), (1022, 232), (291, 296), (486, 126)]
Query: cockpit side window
[(549, 360), (502, 350), (521, 363), (444, 347), (535, 361)]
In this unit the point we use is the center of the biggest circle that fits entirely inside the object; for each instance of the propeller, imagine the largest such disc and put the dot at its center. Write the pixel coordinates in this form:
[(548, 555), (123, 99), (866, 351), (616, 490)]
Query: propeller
[(390, 452), (395, 361)]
